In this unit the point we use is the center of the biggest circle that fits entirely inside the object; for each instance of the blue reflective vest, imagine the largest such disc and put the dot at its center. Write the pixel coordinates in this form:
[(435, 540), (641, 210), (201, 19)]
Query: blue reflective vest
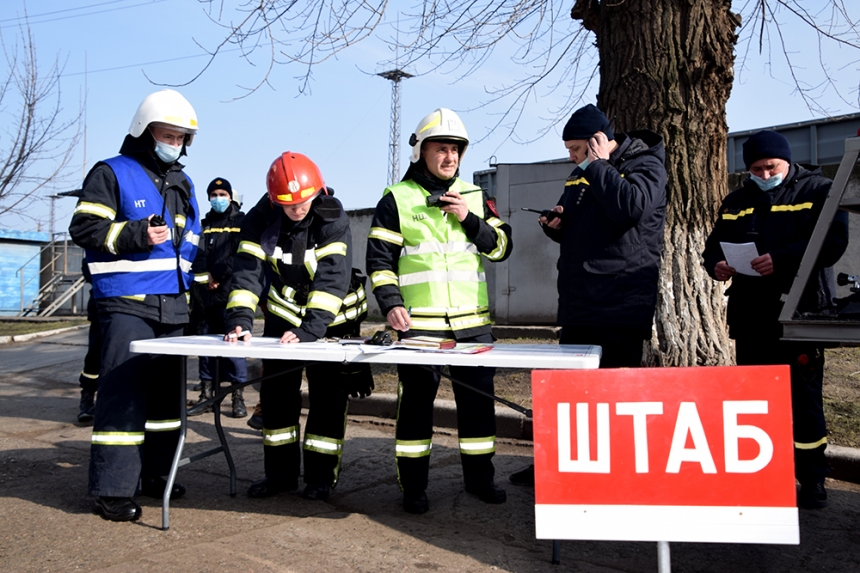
[(153, 272)]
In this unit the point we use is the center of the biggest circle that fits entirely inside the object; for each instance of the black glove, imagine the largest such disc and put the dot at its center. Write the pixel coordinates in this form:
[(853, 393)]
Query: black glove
[(231, 326), (357, 379), (304, 336)]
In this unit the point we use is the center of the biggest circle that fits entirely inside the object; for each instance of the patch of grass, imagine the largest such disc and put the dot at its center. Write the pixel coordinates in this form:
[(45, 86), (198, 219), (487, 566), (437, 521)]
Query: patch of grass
[(842, 396), (15, 327)]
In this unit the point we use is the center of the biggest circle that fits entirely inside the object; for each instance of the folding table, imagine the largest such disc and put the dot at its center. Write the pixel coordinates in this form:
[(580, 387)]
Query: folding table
[(530, 356)]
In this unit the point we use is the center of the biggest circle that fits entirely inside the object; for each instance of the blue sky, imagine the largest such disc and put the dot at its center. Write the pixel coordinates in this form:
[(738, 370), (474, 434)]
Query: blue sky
[(343, 123)]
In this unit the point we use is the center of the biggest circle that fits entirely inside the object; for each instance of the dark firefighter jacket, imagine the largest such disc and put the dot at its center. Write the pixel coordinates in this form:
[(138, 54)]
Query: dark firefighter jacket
[(308, 265), (779, 222), (219, 242), (611, 237), (90, 227)]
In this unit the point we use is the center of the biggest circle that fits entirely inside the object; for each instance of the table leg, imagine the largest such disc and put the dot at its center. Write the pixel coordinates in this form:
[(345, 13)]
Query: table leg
[(216, 386), (183, 428)]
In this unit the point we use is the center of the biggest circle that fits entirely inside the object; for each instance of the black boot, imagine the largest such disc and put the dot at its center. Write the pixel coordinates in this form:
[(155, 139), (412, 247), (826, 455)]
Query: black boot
[(117, 508), (239, 410), (416, 502), (487, 492), (154, 487), (268, 487), (524, 477), (317, 491), (206, 392), (88, 406), (256, 419)]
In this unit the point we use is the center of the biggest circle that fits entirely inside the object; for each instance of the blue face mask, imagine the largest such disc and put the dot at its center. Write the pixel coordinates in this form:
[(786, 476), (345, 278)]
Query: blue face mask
[(767, 184), (167, 153), (220, 204), (585, 163)]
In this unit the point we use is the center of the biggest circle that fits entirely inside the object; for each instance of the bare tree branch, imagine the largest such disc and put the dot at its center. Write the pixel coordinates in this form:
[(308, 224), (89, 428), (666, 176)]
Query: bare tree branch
[(551, 42), (37, 143), (829, 24)]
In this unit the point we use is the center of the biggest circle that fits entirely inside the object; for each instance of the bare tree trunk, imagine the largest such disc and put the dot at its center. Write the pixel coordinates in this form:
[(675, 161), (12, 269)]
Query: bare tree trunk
[(666, 65)]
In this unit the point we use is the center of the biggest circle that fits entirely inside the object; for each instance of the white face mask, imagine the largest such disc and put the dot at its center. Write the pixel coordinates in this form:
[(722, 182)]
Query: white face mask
[(767, 184), (585, 163), (166, 152)]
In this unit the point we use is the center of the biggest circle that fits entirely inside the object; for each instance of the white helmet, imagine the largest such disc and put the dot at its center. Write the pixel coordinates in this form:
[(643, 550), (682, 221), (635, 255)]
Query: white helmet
[(441, 124), (168, 108)]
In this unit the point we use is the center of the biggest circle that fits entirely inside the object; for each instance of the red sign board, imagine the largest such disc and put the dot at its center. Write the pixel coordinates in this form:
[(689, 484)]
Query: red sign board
[(665, 454)]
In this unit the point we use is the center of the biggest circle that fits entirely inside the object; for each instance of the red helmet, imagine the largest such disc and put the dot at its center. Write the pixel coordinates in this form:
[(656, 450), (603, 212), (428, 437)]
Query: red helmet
[(294, 179)]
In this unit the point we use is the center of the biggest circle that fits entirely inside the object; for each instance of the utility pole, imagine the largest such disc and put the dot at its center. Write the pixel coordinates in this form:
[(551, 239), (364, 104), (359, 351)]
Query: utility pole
[(395, 76)]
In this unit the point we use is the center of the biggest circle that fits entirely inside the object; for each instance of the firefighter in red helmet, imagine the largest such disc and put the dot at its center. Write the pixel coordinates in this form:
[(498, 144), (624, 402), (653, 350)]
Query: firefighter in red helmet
[(295, 248)]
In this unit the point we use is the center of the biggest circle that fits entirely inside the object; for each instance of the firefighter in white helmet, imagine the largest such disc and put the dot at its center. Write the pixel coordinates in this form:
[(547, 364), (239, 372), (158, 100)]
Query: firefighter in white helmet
[(137, 219), (429, 236)]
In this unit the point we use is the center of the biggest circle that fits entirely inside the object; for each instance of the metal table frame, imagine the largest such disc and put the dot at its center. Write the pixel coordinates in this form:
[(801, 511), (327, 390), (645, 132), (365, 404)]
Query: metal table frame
[(544, 356)]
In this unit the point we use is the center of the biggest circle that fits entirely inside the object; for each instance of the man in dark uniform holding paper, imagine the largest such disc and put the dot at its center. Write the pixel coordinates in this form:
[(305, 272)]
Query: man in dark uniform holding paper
[(777, 209)]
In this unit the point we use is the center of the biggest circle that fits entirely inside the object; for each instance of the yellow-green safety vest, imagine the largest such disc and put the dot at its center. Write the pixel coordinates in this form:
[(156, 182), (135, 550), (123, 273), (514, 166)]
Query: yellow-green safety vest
[(440, 272)]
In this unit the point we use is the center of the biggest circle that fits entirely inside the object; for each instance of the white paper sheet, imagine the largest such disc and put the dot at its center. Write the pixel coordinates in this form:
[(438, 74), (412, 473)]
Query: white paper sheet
[(739, 256)]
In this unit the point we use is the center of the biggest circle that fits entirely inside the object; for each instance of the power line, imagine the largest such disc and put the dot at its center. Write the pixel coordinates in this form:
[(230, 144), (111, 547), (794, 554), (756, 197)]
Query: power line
[(69, 17), (149, 63), (27, 17)]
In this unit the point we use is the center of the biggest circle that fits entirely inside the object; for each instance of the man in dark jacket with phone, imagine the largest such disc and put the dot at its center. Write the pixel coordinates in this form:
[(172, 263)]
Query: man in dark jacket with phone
[(610, 234)]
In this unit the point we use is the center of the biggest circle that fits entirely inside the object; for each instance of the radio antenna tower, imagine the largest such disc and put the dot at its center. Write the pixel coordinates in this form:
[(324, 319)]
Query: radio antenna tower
[(395, 75)]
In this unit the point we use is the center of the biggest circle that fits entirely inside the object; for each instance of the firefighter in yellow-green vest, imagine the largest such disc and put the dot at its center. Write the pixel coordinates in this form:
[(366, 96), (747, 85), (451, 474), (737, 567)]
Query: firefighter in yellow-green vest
[(429, 236)]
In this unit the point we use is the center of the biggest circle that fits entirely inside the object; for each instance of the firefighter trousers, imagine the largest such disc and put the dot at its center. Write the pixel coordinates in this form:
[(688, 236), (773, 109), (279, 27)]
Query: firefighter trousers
[(476, 422), (326, 422), (807, 405), (136, 426), (89, 378), (621, 346)]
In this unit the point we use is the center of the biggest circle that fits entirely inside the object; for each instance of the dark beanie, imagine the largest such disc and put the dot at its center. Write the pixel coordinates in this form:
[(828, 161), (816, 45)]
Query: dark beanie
[(585, 122), (220, 183), (766, 145)]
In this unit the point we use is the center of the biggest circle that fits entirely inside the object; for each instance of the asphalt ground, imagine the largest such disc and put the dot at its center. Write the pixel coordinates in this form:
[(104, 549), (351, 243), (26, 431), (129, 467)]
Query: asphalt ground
[(46, 524)]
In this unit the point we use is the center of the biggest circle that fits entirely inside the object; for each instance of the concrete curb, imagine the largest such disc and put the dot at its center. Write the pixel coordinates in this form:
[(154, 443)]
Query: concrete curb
[(42, 334)]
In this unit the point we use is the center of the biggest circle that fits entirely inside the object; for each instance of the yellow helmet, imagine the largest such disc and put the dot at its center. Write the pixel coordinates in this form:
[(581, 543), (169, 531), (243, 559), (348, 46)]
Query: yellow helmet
[(441, 124), (166, 108)]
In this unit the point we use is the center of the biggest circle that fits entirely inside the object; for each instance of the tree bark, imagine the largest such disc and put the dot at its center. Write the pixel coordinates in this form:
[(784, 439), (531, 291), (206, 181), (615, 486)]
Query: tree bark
[(667, 65)]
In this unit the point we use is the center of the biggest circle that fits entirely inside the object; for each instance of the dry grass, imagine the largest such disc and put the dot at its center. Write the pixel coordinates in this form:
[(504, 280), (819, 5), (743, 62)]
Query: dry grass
[(842, 396), (15, 327)]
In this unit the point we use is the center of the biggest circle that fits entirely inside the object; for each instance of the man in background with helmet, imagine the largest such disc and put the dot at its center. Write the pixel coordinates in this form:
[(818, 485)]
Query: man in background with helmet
[(137, 219), (296, 249), (777, 208), (424, 251), (213, 272)]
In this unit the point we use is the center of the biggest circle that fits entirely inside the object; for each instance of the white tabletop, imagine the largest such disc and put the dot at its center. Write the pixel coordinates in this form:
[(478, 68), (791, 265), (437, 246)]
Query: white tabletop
[(531, 356)]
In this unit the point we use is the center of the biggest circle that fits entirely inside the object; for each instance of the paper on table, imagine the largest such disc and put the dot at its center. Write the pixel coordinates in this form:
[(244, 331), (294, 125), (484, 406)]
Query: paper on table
[(739, 256)]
